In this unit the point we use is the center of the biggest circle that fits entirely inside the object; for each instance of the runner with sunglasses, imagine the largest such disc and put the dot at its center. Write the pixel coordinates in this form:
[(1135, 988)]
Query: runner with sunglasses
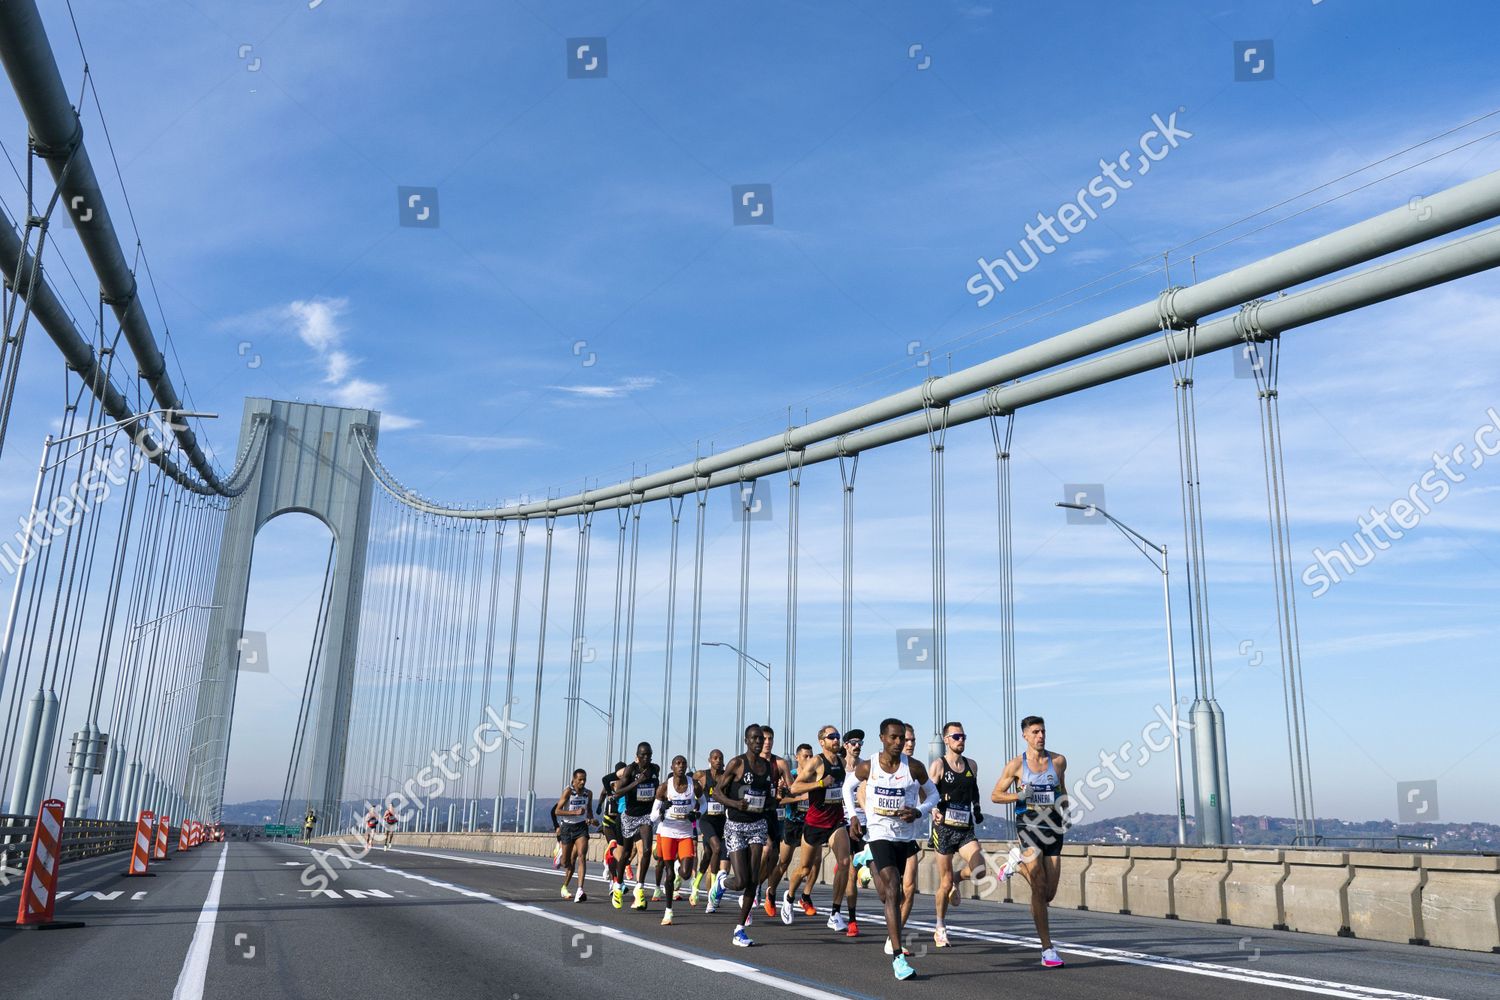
[(854, 743), (954, 821), (822, 780), (711, 828)]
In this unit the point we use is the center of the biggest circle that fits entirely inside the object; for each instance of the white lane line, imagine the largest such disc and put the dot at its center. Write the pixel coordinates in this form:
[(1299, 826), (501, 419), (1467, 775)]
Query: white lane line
[(195, 966), (748, 972), (1261, 978)]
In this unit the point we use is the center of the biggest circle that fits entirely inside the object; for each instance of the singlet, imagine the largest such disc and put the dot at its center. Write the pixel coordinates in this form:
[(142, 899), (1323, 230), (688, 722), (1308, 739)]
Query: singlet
[(370, 821), (1041, 791), (677, 817), (825, 806), (390, 818), (958, 793), (714, 806), (886, 795), (795, 811), (755, 789), (638, 800), (610, 803), (575, 800)]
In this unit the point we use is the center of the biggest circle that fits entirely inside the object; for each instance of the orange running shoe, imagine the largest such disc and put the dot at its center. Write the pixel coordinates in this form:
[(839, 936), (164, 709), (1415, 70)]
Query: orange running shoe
[(853, 930), (808, 907), (770, 907)]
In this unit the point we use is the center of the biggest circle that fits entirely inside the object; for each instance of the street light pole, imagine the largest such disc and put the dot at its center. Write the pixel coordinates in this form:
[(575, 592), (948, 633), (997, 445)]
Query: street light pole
[(762, 667), (1147, 547)]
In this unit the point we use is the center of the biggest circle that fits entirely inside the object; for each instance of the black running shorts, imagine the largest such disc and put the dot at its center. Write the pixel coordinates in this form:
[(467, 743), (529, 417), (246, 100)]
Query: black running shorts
[(892, 853)]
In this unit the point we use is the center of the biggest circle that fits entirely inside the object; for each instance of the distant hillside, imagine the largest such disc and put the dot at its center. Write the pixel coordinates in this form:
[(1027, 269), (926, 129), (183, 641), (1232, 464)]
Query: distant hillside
[(1161, 828)]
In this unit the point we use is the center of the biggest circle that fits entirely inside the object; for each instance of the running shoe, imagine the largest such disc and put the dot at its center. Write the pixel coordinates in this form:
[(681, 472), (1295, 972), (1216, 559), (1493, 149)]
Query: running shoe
[(750, 917), (640, 899), (1011, 864), (564, 891), (1051, 959), (836, 922), (630, 873), (716, 894), (771, 909), (666, 917), (741, 939), (903, 968), (891, 951), (712, 907), (807, 906), (693, 896), (786, 908), (580, 896), (656, 894), (863, 858), (557, 856), (853, 930), (617, 897), (940, 937), (866, 877)]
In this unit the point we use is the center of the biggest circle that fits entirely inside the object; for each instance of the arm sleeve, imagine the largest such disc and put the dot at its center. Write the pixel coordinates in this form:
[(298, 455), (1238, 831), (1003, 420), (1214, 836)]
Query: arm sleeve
[(656, 812), (929, 798), (851, 785)]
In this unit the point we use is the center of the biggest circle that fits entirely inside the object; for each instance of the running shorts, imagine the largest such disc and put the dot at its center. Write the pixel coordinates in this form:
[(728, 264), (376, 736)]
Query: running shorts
[(1042, 837), (739, 836), (567, 833), (817, 836), (672, 848), (791, 834), (948, 839), (711, 825), (609, 828), (631, 825), (773, 827), (892, 853)]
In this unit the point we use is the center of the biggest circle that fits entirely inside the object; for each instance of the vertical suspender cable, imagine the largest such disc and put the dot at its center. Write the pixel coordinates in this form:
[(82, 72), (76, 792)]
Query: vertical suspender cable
[(747, 509), (701, 495), (489, 663), (536, 698), (1009, 716), (674, 505), (510, 672), (577, 640), (793, 532), (937, 432), (625, 691), (622, 515), (848, 469)]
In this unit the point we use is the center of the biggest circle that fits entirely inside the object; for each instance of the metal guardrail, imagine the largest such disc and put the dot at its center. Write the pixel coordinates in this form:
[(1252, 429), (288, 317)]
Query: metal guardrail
[(1398, 839), (82, 838)]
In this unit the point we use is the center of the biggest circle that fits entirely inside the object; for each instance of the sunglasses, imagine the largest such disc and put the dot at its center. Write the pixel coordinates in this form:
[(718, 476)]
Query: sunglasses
[(854, 743), (958, 736), (830, 736)]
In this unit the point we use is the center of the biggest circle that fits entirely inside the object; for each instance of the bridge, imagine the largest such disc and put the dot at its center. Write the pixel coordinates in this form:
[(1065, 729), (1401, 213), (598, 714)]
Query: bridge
[(463, 656)]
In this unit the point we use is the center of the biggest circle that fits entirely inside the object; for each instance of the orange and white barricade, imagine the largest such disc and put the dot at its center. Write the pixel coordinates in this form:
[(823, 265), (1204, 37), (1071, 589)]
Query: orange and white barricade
[(140, 850), (39, 884), (197, 837), (163, 830), (182, 836)]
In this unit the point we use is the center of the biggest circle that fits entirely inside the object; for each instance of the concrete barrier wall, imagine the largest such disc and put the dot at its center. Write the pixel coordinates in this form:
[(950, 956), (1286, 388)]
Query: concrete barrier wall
[(1446, 900)]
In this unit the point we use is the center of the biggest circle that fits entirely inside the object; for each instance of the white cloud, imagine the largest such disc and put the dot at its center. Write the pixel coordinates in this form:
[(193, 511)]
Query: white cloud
[(621, 388), (320, 325)]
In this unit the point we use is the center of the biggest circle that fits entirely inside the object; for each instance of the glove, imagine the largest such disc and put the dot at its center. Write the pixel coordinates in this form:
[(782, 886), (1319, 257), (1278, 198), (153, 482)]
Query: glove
[(978, 816)]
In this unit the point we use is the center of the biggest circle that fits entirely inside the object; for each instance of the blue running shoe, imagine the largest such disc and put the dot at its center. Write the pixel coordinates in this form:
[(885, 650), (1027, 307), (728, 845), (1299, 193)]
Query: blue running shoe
[(742, 940), (903, 968)]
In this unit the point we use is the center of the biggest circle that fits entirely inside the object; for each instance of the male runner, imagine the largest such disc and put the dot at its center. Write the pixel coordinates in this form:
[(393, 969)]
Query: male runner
[(862, 858), (854, 743), (372, 820), (575, 811), (308, 823), (390, 826), (793, 814), (609, 826), (711, 826), (954, 821), (909, 744), (781, 780), (1037, 776), (748, 793), (637, 784), (673, 814), (822, 778), (896, 794)]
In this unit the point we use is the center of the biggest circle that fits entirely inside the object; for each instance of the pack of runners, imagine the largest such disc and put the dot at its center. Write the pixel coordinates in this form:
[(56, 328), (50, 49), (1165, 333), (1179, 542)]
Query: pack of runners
[(763, 819)]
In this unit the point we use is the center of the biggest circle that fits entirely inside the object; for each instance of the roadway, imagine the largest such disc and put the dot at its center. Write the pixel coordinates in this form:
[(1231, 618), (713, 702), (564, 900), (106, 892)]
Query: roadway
[(241, 921)]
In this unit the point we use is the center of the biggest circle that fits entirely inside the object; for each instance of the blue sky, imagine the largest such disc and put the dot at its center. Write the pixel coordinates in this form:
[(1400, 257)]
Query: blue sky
[(598, 212)]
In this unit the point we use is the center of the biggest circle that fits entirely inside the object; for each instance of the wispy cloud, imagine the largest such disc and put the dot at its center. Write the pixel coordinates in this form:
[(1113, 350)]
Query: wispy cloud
[(624, 387), (320, 325)]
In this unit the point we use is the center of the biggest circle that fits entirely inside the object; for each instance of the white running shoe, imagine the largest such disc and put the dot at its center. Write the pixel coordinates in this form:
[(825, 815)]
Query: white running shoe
[(580, 895), (940, 937), (837, 922), (1012, 863), (786, 908), (741, 939), (1051, 959), (889, 950), (666, 917)]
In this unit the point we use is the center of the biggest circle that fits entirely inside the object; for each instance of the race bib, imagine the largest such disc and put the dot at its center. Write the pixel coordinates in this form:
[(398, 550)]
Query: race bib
[(834, 792), (645, 793), (1040, 797), (755, 802), (715, 807), (888, 801), (802, 806), (679, 812), (957, 816)]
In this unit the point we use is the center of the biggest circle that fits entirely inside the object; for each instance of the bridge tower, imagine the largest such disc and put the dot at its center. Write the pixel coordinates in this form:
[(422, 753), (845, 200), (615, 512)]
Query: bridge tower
[(311, 464)]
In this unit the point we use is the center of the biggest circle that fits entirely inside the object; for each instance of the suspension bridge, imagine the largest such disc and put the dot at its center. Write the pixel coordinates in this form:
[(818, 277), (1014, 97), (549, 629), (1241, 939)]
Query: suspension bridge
[(436, 665)]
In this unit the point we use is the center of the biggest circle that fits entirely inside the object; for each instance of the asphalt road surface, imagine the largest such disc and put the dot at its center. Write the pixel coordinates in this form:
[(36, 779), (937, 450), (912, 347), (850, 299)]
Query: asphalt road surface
[(248, 920)]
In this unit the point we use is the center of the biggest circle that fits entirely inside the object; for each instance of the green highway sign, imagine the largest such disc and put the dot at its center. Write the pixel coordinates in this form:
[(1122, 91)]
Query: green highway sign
[(273, 830)]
